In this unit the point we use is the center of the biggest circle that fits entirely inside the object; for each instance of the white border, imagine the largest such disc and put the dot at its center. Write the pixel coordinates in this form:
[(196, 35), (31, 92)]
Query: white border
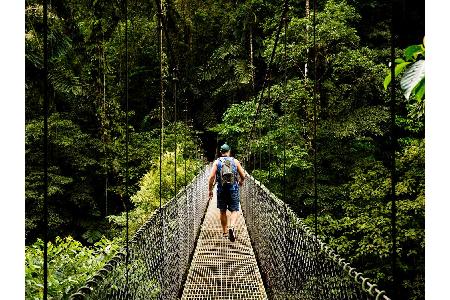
[(12, 178), (437, 149)]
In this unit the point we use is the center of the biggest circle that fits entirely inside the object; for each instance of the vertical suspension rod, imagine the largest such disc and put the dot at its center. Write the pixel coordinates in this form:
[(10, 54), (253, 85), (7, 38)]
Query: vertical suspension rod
[(161, 138), (175, 80), (285, 98), (286, 220), (317, 249), (184, 146), (269, 66), (46, 111), (392, 160), (127, 137), (268, 136), (105, 166), (315, 117)]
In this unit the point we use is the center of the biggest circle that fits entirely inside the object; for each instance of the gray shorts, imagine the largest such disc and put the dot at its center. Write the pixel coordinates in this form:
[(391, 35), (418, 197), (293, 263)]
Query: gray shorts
[(227, 199)]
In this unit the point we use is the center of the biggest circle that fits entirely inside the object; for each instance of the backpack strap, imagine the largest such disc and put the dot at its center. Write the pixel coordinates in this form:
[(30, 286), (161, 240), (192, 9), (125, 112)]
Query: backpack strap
[(219, 168), (220, 163), (236, 179)]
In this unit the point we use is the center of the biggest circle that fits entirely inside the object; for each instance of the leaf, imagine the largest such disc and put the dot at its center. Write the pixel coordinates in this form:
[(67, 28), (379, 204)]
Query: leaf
[(398, 69), (413, 51), (413, 75), (387, 80), (419, 90)]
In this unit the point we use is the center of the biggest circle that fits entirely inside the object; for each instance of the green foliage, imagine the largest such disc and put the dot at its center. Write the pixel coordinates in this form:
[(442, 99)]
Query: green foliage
[(222, 49), (146, 200), (412, 82), (401, 65), (352, 134), (363, 233), (70, 264), (225, 60), (73, 156)]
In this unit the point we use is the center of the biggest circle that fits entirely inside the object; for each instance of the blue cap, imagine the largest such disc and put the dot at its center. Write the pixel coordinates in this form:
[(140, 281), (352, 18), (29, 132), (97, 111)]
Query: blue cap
[(224, 148)]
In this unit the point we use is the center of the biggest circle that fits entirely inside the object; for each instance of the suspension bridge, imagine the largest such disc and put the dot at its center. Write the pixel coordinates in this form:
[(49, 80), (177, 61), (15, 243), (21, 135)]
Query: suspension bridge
[(180, 253)]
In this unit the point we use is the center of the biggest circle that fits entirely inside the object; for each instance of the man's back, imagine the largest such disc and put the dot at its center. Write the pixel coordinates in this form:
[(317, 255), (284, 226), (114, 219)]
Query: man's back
[(228, 173)]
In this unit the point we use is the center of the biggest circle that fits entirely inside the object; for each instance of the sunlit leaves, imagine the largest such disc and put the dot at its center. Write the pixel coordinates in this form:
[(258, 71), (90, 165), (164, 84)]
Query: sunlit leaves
[(70, 265), (399, 67), (414, 80), (413, 52)]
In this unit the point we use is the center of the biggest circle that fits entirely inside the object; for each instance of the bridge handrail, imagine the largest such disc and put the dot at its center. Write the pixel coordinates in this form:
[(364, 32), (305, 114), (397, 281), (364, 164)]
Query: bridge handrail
[(368, 287), (120, 256)]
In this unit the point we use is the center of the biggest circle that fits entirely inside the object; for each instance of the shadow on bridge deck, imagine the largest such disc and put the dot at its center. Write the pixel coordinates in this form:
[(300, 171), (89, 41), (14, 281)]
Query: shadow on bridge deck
[(221, 269)]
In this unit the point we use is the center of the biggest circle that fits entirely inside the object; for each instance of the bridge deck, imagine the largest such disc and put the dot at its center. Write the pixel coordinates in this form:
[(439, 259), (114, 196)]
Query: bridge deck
[(221, 269)]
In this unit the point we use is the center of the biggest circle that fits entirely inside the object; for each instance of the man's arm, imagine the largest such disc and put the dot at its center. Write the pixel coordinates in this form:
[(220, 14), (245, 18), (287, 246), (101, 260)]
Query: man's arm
[(212, 178), (240, 171)]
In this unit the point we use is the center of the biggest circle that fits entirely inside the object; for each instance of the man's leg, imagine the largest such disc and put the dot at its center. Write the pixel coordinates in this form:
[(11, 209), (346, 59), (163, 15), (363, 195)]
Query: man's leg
[(234, 208), (231, 229), (224, 220), (222, 206), (233, 217)]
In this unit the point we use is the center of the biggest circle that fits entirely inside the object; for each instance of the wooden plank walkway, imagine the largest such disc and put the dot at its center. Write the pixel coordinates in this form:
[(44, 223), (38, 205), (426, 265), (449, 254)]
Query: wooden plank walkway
[(221, 269)]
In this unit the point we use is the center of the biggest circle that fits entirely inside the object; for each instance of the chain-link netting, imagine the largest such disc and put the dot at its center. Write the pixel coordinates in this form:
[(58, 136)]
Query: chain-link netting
[(159, 252), (295, 264)]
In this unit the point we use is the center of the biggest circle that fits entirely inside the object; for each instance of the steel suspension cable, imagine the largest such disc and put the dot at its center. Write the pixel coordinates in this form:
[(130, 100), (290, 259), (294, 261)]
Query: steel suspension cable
[(127, 138), (173, 61), (285, 98), (105, 114), (317, 249), (173, 65), (315, 116), (392, 159), (46, 112), (184, 145), (175, 80), (254, 157), (285, 21), (269, 67), (268, 136), (260, 149), (161, 135)]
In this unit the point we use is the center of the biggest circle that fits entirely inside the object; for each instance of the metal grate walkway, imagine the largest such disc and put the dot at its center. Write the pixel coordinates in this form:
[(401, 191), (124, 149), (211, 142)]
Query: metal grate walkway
[(221, 269)]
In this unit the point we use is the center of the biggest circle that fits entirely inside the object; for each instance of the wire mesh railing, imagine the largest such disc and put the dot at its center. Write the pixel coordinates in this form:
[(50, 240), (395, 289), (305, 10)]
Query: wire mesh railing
[(294, 263), (159, 252)]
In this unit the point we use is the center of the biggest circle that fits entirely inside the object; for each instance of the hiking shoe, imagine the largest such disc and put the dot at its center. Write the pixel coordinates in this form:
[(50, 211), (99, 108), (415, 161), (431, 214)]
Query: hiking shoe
[(232, 234)]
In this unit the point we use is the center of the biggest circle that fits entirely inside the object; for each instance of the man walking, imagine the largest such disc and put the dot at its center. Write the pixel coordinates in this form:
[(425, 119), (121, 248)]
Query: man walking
[(229, 175)]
